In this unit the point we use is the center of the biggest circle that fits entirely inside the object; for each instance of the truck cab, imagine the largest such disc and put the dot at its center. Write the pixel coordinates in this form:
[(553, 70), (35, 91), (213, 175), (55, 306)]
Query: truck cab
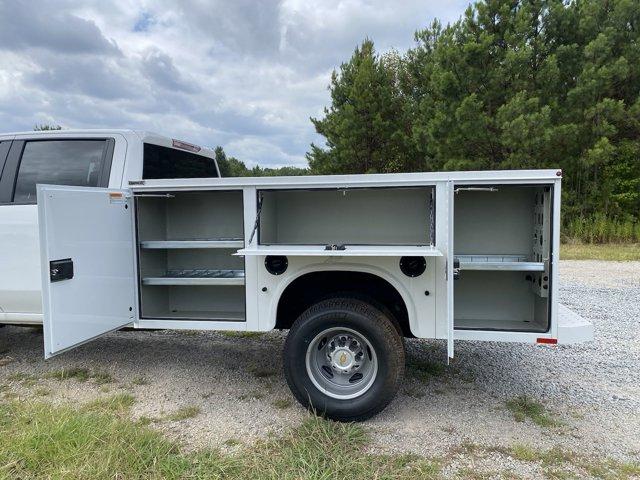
[(88, 158)]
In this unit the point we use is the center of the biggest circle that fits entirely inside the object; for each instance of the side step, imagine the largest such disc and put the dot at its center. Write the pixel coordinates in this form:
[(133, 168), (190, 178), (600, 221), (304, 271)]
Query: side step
[(572, 328)]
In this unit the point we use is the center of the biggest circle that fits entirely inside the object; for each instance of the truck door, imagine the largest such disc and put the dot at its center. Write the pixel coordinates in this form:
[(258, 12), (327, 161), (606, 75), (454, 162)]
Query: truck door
[(87, 257)]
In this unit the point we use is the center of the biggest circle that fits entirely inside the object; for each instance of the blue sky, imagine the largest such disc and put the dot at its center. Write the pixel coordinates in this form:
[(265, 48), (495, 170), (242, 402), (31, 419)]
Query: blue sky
[(244, 74)]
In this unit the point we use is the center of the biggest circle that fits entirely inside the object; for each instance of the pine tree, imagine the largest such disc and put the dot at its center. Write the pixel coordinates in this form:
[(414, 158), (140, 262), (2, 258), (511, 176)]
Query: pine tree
[(512, 84), (365, 127)]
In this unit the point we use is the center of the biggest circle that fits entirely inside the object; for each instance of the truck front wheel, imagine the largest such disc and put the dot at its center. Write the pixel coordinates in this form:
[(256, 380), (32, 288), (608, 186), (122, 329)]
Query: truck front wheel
[(344, 359)]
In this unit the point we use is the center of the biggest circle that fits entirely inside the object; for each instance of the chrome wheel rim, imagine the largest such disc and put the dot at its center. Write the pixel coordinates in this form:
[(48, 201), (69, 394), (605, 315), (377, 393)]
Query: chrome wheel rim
[(341, 363)]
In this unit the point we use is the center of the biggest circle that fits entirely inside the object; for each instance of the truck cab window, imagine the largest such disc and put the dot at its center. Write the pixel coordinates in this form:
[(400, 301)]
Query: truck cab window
[(164, 162), (58, 162)]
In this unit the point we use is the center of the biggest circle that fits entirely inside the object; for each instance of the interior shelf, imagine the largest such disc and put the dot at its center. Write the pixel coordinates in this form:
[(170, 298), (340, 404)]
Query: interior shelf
[(349, 250), (512, 325), (197, 277), (518, 263), (219, 315), (175, 244)]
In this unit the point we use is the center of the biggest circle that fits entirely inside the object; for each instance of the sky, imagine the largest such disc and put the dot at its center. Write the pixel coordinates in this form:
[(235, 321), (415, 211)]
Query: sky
[(243, 74)]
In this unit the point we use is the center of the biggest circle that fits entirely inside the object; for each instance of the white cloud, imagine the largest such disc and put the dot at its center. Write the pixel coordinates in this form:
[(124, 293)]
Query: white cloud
[(245, 74)]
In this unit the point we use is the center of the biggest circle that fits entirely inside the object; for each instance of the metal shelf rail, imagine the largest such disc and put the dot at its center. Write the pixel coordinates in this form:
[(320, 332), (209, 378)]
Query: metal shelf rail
[(197, 277), (195, 243), (499, 262)]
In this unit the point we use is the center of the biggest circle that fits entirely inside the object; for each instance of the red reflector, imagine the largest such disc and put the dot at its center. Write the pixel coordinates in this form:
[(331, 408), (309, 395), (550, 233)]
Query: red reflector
[(549, 341), (186, 146), (559, 173)]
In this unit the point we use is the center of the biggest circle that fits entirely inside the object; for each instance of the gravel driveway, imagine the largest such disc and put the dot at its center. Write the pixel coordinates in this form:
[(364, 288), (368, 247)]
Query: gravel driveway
[(593, 390)]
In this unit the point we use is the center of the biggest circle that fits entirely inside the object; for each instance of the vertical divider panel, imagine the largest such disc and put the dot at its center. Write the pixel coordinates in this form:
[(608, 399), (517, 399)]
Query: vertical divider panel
[(555, 256), (251, 263), (442, 244), (449, 274)]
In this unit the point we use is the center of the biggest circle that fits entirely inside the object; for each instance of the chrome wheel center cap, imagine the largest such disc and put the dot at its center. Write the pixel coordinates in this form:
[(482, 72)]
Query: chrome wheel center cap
[(342, 359)]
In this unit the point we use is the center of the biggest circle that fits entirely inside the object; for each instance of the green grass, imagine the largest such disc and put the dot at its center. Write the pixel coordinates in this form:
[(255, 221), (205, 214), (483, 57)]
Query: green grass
[(240, 334), (42, 391), (561, 463), (611, 251), (25, 379), (556, 462), (139, 381), (40, 440), (253, 395), (43, 441), (118, 403), (80, 374), (524, 407), (601, 228), (282, 403), (424, 370), (184, 413)]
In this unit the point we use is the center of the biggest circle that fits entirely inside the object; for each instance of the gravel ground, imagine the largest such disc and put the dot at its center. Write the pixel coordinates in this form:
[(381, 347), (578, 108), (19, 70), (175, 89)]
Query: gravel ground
[(592, 389)]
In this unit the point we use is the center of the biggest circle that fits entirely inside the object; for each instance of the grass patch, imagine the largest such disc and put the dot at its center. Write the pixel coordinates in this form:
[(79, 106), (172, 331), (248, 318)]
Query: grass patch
[(601, 228), (424, 370), (42, 391), (254, 395), (611, 251), (323, 449), (562, 463), (81, 375), (118, 403), (239, 334), (184, 413), (282, 403), (43, 441), (27, 380), (556, 462), (232, 442), (20, 377), (139, 381), (524, 407), (263, 372), (76, 373), (413, 392)]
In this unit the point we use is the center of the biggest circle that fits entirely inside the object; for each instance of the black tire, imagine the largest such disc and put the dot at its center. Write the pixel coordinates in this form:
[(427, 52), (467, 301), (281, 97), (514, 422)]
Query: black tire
[(366, 320)]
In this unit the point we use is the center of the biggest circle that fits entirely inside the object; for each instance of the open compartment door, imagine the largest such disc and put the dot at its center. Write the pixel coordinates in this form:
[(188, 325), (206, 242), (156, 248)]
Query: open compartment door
[(87, 258), (450, 270)]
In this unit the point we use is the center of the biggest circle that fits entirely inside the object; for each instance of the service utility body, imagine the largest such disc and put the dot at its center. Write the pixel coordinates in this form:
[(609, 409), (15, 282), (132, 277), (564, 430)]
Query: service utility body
[(132, 229)]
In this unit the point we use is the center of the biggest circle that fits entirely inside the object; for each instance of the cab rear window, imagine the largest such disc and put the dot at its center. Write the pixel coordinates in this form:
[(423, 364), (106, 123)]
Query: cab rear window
[(164, 162)]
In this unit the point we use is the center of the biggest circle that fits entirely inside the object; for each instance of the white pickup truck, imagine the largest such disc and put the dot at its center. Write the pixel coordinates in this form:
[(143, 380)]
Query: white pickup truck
[(137, 230)]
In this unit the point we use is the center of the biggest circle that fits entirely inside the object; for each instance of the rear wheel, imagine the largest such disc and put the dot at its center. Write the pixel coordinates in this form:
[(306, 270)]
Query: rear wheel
[(344, 359)]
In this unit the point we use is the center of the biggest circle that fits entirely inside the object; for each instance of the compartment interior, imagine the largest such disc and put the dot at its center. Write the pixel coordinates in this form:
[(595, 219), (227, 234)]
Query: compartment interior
[(355, 216), (186, 243), (502, 243)]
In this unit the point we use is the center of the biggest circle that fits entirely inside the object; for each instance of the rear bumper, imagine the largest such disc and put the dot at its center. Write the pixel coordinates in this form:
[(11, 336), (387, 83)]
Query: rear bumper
[(572, 328)]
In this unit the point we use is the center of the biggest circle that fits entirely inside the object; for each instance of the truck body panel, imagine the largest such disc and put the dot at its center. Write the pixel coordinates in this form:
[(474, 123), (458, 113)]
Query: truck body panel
[(501, 294)]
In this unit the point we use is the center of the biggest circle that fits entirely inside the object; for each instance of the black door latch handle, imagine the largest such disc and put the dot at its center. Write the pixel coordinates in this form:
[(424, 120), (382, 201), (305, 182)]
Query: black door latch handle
[(60, 270)]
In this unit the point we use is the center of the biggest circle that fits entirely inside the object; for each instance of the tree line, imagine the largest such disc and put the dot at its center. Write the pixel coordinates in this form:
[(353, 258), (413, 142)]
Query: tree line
[(510, 85)]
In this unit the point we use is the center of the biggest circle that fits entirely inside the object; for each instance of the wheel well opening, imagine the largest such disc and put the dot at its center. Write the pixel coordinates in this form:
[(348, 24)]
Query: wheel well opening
[(313, 287)]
